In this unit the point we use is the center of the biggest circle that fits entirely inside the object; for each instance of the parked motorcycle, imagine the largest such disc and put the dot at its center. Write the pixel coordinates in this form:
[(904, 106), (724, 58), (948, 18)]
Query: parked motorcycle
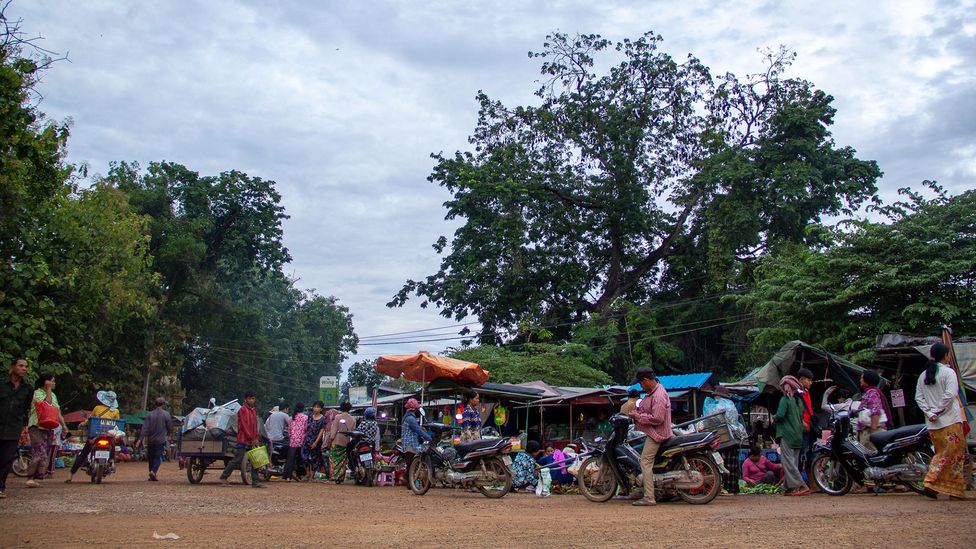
[(903, 458), (359, 456), (22, 461), (278, 458), (686, 466), (483, 464)]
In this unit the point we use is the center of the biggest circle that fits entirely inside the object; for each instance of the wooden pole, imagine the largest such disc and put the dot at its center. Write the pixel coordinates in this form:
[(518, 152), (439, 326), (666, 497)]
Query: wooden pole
[(570, 421)]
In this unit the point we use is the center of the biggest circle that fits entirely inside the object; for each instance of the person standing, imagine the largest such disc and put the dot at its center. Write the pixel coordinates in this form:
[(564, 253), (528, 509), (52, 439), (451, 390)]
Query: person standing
[(107, 408), (805, 377), (872, 417), (276, 427), (296, 437), (789, 434), (337, 440), (314, 440), (41, 438), (15, 403), (652, 416), (720, 403), (247, 438), (937, 395), (471, 417), (155, 432)]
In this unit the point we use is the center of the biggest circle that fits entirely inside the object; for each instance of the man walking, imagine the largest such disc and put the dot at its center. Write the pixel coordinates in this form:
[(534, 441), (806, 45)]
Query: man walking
[(653, 418), (15, 400), (156, 432), (247, 438)]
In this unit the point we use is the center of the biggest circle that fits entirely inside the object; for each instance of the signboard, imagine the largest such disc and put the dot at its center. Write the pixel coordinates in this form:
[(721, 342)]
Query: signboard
[(329, 390), (898, 398), (358, 395)]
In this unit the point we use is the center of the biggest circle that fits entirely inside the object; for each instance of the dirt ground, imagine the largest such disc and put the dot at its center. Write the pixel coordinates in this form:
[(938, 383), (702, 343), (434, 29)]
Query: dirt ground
[(126, 510)]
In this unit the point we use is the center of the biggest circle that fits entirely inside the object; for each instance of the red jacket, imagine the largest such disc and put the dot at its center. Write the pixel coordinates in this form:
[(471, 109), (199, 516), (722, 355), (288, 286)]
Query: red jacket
[(247, 426), (807, 408)]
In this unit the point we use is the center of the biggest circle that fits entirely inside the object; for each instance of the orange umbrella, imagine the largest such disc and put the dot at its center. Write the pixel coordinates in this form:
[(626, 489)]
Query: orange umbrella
[(425, 367)]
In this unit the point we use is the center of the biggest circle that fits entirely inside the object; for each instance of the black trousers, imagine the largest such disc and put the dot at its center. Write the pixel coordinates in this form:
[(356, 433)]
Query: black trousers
[(8, 453), (82, 457), (240, 454), (293, 464)]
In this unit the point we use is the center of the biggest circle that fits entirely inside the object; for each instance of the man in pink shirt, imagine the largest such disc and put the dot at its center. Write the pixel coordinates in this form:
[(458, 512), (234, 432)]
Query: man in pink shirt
[(652, 416), (759, 470)]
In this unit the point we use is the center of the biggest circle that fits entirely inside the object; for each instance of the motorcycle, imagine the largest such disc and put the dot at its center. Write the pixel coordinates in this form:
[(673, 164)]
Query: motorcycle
[(483, 464), (359, 456), (903, 458), (686, 466), (22, 461), (278, 458), (101, 458)]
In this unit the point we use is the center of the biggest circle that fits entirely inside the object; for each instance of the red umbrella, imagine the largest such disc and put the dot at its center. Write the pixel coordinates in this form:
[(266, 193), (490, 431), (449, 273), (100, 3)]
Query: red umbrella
[(77, 416), (424, 367)]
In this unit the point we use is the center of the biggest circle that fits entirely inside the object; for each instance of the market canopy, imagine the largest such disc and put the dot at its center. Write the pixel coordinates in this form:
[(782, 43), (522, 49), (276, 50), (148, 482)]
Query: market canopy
[(797, 354), (424, 366)]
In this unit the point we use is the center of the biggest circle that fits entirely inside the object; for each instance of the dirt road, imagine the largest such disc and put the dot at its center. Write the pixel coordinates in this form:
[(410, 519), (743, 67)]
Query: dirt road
[(127, 510)]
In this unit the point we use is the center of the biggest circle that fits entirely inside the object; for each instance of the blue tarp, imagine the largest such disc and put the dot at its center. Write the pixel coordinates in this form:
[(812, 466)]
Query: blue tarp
[(679, 382)]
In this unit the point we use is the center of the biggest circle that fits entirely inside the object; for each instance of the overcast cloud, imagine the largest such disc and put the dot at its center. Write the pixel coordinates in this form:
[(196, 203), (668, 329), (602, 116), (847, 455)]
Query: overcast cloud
[(342, 103)]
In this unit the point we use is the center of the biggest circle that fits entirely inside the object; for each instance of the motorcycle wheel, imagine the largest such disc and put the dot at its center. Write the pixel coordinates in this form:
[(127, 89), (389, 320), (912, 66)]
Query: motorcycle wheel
[(912, 458), (360, 475), (195, 469), (503, 479), (830, 476), (712, 480), (419, 476), (96, 473), (596, 481), (21, 465), (370, 477)]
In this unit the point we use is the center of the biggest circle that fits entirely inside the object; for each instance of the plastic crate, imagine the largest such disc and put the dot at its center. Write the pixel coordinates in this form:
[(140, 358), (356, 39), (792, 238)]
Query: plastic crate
[(100, 425)]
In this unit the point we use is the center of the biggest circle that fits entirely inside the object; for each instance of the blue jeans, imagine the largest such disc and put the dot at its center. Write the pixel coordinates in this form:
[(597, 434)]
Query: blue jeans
[(156, 450)]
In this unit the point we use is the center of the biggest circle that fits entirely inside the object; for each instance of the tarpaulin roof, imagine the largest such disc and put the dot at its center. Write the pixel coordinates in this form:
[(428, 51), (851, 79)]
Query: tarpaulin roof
[(797, 354), (679, 382), (424, 366), (514, 392)]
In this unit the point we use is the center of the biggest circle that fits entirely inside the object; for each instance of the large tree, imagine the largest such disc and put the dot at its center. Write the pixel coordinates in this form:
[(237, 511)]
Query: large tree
[(567, 365), (913, 272), (616, 176)]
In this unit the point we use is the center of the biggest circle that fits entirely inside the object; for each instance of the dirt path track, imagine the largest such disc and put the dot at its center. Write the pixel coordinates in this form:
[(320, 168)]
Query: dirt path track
[(126, 510)]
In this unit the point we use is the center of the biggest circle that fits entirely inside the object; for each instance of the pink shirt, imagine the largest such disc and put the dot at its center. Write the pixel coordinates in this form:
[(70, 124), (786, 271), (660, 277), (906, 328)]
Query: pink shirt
[(296, 431), (754, 472), (653, 417)]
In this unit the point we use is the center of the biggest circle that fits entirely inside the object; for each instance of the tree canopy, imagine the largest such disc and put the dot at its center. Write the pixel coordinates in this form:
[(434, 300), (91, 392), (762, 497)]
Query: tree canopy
[(555, 364), (912, 273), (621, 184)]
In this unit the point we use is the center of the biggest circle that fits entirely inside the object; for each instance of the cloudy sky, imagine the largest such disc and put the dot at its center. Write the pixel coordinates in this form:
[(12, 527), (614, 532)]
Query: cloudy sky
[(342, 103)]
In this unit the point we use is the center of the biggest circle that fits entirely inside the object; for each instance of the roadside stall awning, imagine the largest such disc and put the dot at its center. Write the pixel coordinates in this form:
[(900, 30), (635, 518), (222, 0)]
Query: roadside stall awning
[(797, 354), (424, 367)]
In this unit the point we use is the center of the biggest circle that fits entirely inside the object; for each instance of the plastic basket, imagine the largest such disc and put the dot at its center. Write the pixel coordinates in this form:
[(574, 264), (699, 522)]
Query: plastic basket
[(100, 425), (258, 456)]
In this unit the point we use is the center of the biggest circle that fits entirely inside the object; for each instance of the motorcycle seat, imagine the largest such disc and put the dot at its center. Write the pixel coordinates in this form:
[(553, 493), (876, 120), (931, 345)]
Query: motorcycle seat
[(884, 437), (680, 440), (468, 447)]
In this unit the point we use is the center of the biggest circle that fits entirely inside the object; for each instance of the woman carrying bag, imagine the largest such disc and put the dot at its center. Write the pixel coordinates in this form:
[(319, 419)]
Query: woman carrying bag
[(45, 416)]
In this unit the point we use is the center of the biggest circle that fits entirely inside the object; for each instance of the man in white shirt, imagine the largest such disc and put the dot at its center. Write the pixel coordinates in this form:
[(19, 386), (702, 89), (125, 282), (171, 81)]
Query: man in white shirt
[(276, 426)]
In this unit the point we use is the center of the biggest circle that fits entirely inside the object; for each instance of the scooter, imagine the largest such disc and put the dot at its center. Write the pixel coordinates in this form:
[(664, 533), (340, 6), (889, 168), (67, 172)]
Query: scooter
[(686, 466), (482, 464), (359, 456), (101, 458), (278, 458), (903, 458)]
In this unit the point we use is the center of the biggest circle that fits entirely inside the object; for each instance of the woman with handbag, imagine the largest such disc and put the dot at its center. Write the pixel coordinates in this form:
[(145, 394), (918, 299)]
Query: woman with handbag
[(45, 416)]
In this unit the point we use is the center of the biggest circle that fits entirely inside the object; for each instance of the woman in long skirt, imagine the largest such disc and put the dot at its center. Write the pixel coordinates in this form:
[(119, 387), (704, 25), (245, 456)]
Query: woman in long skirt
[(937, 395)]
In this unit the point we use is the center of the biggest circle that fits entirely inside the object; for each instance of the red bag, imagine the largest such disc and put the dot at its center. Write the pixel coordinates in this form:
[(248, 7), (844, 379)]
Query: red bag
[(47, 415)]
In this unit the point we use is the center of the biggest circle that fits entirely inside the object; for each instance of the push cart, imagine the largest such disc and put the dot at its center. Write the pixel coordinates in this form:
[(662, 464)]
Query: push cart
[(199, 456)]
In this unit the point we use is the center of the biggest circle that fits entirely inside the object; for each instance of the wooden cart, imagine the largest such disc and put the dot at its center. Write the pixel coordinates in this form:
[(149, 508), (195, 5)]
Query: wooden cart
[(199, 456)]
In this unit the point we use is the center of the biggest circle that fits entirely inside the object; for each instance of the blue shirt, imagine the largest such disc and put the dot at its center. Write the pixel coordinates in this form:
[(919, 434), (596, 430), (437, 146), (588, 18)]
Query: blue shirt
[(412, 434)]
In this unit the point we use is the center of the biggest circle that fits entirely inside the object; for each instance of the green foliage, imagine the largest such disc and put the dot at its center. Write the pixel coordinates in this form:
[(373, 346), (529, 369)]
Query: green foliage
[(912, 274), (554, 364), (74, 274), (622, 184), (363, 374)]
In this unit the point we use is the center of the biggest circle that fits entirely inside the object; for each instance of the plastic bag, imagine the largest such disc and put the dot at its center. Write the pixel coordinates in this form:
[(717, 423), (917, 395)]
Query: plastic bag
[(544, 488), (574, 467)]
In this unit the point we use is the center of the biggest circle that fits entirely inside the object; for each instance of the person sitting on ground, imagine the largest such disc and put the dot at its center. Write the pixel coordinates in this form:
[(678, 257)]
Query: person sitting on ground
[(756, 469), (524, 473), (556, 460)]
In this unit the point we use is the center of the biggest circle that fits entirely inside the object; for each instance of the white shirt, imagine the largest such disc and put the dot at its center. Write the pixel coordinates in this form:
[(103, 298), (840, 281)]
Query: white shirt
[(277, 425), (940, 398)]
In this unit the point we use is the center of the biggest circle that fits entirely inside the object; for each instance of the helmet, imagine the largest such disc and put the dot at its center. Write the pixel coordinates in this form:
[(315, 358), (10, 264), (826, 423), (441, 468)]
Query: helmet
[(369, 413), (412, 405)]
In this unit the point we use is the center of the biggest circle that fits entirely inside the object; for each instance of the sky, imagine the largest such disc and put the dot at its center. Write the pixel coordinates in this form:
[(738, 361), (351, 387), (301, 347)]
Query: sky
[(342, 103)]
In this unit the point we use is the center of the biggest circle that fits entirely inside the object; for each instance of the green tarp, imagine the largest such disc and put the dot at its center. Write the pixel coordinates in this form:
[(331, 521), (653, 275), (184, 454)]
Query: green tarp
[(797, 354)]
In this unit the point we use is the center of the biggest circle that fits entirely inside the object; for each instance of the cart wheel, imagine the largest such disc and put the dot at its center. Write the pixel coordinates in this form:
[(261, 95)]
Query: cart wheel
[(246, 470), (195, 469)]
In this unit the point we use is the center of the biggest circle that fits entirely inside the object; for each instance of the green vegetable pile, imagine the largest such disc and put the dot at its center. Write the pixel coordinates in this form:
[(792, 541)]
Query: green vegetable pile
[(761, 489)]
